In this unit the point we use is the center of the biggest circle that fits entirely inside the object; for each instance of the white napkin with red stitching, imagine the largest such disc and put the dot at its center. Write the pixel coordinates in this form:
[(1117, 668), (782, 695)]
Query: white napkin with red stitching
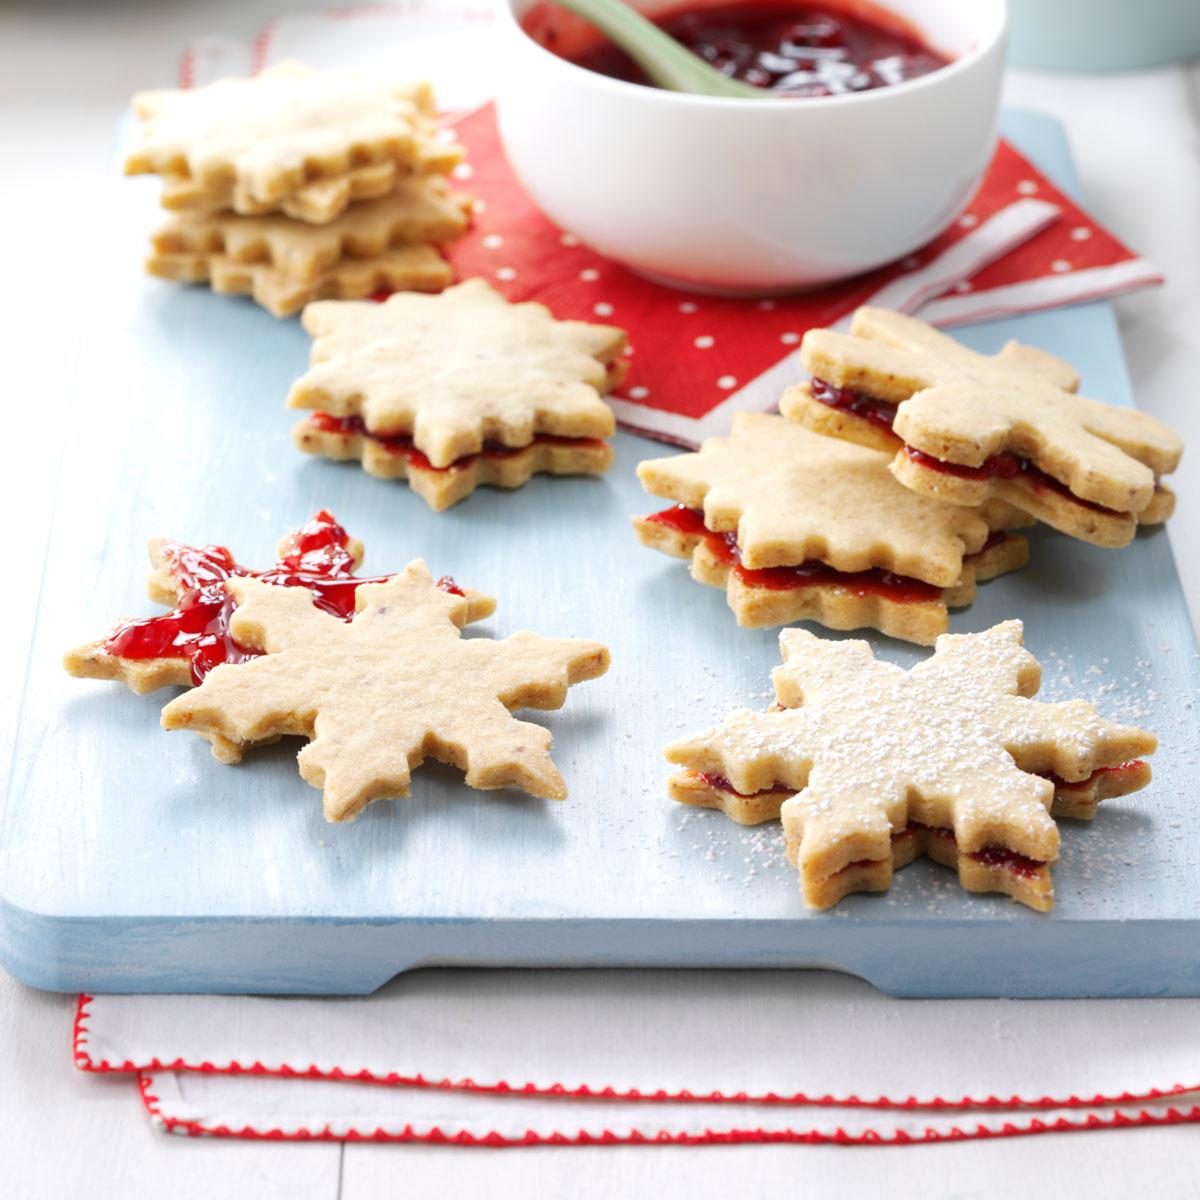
[(580, 1057), (594, 1057)]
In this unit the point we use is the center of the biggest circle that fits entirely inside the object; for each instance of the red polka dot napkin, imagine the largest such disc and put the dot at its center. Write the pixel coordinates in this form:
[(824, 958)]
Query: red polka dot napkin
[(1022, 245)]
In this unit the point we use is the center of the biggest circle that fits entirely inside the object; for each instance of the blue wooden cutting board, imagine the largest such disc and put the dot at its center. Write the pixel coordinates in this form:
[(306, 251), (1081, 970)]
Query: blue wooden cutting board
[(131, 861)]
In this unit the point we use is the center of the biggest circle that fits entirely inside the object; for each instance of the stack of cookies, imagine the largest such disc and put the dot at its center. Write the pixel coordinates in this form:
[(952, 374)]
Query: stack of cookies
[(795, 526), (970, 427), (891, 482), (299, 185)]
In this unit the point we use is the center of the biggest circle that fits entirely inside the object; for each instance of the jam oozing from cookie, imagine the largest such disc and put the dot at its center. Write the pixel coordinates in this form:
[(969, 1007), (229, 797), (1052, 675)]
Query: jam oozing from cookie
[(793, 49), (1006, 466), (316, 557), (900, 589), (402, 443), (999, 466), (995, 538), (878, 412)]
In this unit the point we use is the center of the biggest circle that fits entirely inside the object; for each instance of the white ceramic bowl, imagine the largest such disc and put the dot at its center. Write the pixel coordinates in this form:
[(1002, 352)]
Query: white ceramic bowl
[(755, 196)]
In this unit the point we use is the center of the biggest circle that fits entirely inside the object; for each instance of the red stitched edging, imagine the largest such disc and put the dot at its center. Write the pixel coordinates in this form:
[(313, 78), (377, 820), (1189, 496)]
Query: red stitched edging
[(85, 1062), (711, 1137)]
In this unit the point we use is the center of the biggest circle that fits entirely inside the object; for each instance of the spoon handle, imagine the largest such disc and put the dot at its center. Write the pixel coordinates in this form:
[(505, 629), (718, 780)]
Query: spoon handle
[(664, 60)]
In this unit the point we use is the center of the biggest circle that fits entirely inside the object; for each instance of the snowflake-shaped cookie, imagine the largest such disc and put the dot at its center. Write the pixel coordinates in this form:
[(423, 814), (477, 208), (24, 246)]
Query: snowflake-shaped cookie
[(270, 135), (1008, 425), (795, 526), (346, 439), (315, 203), (951, 757), (377, 695), (402, 268), (178, 648), (459, 369), (421, 209)]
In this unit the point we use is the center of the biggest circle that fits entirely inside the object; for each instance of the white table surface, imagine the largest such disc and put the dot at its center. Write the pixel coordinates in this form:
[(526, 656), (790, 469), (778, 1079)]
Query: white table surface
[(68, 69)]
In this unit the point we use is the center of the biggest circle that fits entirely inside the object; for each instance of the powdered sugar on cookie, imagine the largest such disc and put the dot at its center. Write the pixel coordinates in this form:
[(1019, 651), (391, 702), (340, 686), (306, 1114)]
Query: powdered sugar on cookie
[(951, 757)]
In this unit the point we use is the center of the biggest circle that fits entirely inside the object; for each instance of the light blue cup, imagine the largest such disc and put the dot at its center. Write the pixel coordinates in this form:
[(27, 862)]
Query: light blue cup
[(1102, 35)]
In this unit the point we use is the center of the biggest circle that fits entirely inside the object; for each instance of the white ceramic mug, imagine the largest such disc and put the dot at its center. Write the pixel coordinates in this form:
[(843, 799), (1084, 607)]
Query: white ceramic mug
[(755, 196)]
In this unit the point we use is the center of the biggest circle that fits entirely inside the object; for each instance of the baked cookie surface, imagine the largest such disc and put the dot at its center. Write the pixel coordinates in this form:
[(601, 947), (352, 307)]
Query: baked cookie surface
[(178, 648), (801, 527), (464, 382), (379, 693), (269, 136), (970, 426), (868, 764), (417, 211)]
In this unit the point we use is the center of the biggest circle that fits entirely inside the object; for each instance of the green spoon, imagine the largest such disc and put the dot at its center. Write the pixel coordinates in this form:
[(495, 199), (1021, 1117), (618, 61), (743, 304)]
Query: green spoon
[(663, 59)]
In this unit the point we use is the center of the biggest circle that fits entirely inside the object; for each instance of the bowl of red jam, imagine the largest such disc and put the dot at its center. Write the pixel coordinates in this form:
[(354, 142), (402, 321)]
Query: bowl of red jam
[(875, 128)]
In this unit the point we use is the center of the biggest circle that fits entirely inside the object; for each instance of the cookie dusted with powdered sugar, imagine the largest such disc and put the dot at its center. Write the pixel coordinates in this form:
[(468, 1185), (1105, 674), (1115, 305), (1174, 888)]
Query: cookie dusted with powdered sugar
[(870, 765)]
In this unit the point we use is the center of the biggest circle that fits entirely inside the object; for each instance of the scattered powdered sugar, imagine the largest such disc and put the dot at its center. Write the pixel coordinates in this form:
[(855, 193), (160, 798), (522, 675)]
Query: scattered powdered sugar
[(739, 853), (1098, 861)]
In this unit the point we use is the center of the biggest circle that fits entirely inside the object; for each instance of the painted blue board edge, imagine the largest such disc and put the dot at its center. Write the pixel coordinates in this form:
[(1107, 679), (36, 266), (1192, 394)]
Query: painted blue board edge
[(1107, 959)]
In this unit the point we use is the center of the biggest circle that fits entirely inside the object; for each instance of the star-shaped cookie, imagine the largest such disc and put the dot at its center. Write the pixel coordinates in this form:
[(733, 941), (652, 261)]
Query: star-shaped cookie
[(951, 758), (971, 426), (380, 693), (345, 439), (321, 200), (459, 374), (400, 269), (801, 527), (420, 209), (178, 648), (269, 136)]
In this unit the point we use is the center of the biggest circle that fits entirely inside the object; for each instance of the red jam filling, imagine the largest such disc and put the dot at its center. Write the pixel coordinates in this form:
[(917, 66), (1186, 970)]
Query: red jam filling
[(900, 589), (989, 856), (1006, 466), (793, 49), (878, 412), (999, 466), (1121, 769), (721, 784), (317, 558), (402, 443)]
